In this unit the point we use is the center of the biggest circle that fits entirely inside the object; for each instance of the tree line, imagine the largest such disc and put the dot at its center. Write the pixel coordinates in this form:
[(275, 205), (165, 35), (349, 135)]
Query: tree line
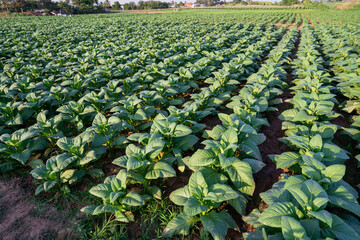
[(76, 6), (65, 6), (141, 5)]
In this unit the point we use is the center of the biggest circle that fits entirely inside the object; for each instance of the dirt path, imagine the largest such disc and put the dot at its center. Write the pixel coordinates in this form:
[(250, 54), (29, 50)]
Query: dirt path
[(22, 219)]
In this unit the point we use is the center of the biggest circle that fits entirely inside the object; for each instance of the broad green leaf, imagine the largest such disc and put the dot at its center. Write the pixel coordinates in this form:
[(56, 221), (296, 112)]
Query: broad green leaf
[(340, 230), (272, 215), (194, 207), (22, 157), (287, 159), (186, 142), (214, 223), (181, 131), (180, 196), (180, 225), (334, 172), (96, 172), (212, 176), (49, 184), (133, 199), (323, 216), (124, 216), (222, 192), (241, 176), (316, 142), (239, 204), (160, 170), (101, 190), (292, 229), (342, 197), (202, 158), (95, 210), (230, 136), (312, 228)]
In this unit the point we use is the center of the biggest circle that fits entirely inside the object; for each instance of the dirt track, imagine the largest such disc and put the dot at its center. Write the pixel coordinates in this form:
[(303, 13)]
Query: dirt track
[(20, 218)]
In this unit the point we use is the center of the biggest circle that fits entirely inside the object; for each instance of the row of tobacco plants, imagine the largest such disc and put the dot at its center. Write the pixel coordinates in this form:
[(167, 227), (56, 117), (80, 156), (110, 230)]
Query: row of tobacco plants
[(309, 202)]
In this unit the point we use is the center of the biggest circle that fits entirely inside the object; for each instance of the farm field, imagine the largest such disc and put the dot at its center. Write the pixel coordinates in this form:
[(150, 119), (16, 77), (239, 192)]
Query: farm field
[(198, 124)]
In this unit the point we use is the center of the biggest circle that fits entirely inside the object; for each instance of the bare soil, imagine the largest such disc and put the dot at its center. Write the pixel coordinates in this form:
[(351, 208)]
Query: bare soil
[(301, 23), (21, 219), (293, 21), (311, 23)]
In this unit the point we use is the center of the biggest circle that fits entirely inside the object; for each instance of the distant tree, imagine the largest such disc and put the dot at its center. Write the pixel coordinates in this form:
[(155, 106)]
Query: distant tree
[(307, 3), (19, 5), (84, 2), (65, 6), (141, 5), (45, 4), (208, 2), (289, 2), (130, 6), (107, 4), (116, 6)]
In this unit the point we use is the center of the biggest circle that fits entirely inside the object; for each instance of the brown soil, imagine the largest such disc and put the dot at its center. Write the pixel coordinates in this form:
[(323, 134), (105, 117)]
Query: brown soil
[(22, 219), (311, 23), (292, 23), (301, 24), (280, 24), (211, 121)]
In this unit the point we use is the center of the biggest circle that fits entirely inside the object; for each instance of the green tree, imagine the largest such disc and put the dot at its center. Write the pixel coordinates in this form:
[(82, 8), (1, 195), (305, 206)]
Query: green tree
[(65, 6), (87, 3), (289, 2), (130, 6), (141, 5), (116, 6)]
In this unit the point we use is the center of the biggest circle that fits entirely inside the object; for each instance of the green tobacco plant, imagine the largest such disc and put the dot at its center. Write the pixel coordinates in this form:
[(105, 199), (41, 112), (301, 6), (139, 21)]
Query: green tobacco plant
[(309, 112), (134, 111), (14, 114), (313, 146), (220, 154), (55, 173), (69, 167), (80, 148), (17, 148), (297, 205), (49, 129), (178, 137), (107, 131), (73, 112), (147, 163), (201, 198), (95, 103), (189, 117), (116, 198)]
